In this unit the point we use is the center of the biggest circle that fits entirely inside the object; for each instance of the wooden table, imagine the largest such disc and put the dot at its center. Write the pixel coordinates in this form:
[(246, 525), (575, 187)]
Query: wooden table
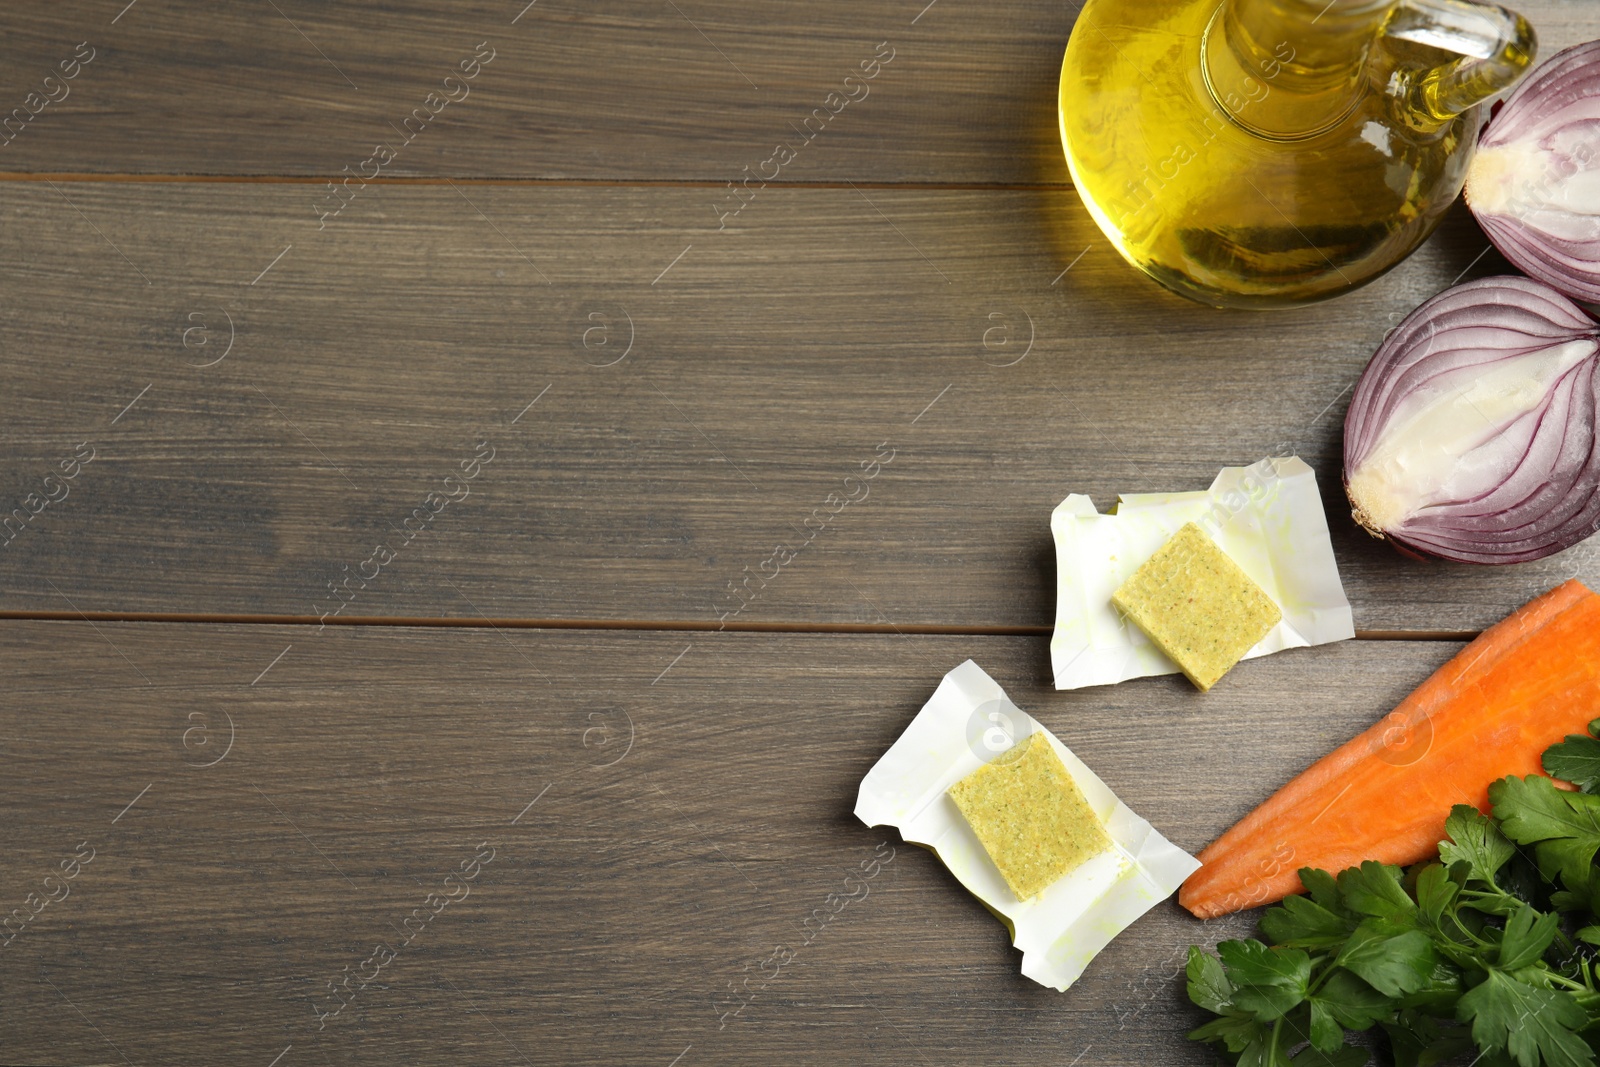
[(412, 513)]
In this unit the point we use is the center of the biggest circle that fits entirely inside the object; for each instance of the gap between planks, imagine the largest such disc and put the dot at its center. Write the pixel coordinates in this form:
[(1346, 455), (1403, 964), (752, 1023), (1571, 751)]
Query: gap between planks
[(602, 183), (480, 622), (924, 629)]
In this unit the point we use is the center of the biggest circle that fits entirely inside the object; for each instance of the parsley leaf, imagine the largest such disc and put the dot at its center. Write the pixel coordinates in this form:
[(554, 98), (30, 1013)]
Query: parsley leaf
[(1582, 892), (1564, 826), (1302, 923), (1326, 1033), (1323, 889), (1418, 1040), (1208, 983), (1374, 889), (1267, 982), (1528, 933), (1350, 1002), (1238, 1032), (1394, 959), (1577, 759), (1345, 1056), (1536, 1026), (1435, 892), (1475, 839), (1267, 1051)]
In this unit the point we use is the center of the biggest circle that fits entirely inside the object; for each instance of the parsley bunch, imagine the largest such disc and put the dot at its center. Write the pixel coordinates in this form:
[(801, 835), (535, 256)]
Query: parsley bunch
[(1493, 946)]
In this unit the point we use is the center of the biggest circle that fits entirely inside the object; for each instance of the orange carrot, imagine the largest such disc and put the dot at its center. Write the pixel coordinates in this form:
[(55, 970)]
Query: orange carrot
[(1523, 685)]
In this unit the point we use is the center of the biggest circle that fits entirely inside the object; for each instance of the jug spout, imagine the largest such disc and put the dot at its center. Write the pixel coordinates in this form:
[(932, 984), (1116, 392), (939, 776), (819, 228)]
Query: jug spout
[(1495, 48), (1291, 69)]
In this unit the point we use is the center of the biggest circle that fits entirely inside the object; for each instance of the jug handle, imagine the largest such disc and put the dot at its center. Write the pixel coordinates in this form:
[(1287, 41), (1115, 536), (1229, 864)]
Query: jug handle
[(1495, 47)]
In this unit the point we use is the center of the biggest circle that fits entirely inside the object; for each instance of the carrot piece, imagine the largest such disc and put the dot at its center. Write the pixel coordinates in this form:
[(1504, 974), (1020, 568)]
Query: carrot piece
[(1523, 685)]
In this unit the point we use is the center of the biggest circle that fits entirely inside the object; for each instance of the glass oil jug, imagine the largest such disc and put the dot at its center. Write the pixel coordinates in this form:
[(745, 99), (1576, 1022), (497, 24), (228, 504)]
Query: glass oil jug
[(1271, 153)]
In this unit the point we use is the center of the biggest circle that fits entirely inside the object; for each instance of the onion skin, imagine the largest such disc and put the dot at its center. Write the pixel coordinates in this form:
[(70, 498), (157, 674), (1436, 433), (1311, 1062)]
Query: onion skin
[(1484, 480), (1534, 184)]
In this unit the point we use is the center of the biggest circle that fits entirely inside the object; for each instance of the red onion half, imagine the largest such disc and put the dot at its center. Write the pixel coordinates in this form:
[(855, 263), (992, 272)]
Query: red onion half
[(1534, 183), (1471, 435)]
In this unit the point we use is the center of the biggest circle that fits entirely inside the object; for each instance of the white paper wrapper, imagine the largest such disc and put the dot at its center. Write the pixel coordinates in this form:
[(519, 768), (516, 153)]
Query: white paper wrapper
[(968, 722), (1268, 517)]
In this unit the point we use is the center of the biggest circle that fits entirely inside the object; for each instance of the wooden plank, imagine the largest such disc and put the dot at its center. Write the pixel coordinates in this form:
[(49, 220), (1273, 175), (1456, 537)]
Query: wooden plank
[(663, 813), (830, 331), (620, 90)]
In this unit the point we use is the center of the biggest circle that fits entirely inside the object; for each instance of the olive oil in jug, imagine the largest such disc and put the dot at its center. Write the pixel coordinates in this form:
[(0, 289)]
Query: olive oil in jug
[(1270, 153)]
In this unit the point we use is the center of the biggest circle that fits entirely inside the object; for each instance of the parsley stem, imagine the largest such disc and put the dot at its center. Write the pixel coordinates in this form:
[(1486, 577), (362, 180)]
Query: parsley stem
[(1455, 917)]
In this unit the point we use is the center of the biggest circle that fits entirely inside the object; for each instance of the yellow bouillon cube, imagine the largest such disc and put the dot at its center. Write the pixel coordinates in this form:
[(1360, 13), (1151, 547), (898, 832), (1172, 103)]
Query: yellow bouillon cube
[(1197, 605), (1030, 816)]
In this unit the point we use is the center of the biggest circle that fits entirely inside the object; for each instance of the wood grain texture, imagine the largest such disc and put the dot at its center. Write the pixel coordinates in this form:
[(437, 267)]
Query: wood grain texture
[(751, 372), (616, 90), (693, 806), (589, 393)]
